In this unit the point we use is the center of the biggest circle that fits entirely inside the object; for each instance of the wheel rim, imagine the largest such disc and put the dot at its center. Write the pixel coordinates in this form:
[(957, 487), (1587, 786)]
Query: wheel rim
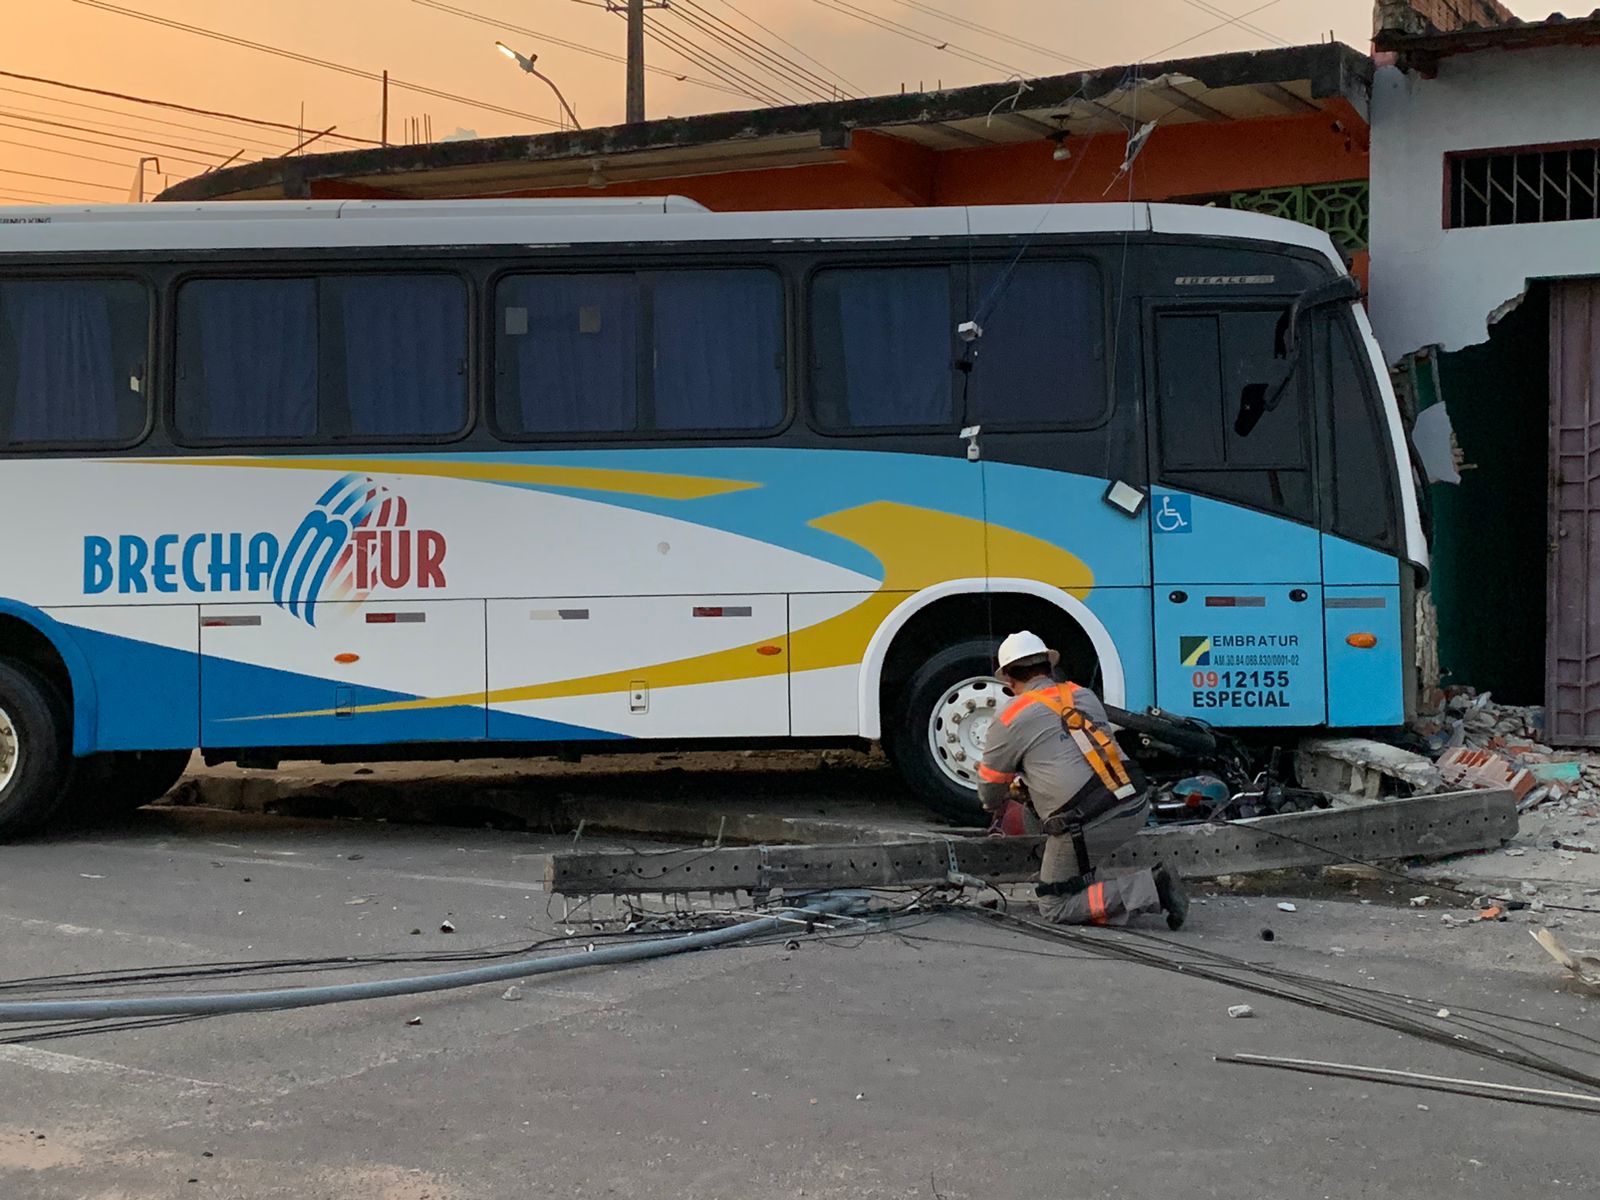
[(10, 749), (959, 726)]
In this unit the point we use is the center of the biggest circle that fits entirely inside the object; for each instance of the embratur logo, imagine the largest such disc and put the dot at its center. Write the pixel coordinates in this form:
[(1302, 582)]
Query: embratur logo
[(1194, 651), (355, 540)]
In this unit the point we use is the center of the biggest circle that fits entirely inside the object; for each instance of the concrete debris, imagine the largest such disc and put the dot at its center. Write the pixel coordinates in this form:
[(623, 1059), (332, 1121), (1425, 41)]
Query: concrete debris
[(1466, 768), (414, 1021), (1360, 770), (1582, 966), (446, 926), (1581, 845), (511, 993), (1285, 906), (1421, 901), (1442, 1014), (1241, 1010), (1529, 889)]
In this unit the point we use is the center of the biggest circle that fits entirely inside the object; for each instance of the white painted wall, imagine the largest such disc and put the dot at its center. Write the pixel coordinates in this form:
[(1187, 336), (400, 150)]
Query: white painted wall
[(1436, 286)]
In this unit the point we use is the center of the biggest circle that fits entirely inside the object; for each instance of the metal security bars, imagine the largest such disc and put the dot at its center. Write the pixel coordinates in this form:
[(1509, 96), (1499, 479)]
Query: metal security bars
[(1524, 186)]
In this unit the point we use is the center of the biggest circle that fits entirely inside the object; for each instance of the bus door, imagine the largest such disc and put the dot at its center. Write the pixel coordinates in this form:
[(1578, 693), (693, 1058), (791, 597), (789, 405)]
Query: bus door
[(1235, 549)]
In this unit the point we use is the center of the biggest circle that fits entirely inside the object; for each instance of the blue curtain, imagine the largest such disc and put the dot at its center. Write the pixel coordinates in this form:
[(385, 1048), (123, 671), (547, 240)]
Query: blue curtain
[(253, 373), (574, 340), (405, 344), (65, 370), (895, 344), (718, 347), (1041, 359)]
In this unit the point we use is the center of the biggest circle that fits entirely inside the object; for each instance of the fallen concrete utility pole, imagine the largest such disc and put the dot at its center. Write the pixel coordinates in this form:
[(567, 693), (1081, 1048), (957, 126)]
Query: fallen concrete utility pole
[(1427, 826)]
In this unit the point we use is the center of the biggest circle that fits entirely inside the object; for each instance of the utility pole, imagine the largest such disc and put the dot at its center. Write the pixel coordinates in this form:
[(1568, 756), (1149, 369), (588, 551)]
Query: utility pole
[(635, 104), (385, 119)]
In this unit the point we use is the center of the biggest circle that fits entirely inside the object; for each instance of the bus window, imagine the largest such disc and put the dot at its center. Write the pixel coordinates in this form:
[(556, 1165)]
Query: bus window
[(72, 362), (629, 353), (1359, 447), (404, 354), (1042, 357), (718, 349), (882, 348), (1215, 441), (247, 359), (338, 357)]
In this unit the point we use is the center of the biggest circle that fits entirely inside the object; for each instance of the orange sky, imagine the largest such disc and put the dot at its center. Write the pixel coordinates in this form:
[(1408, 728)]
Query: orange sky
[(75, 42)]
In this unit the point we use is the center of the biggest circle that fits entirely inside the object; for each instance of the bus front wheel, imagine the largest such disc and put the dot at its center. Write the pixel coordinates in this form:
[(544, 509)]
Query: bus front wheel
[(33, 750), (935, 735)]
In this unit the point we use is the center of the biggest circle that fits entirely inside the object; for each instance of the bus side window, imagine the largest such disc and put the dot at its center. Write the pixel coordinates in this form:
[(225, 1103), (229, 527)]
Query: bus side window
[(883, 348), (72, 362), (635, 352), (247, 359), (1216, 437), (1042, 357), (1360, 453)]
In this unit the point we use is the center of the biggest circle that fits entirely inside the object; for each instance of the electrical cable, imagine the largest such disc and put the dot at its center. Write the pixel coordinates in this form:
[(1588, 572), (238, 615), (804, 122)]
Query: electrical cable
[(221, 137), (309, 60), (217, 1003), (1192, 37), (779, 85), (697, 56), (915, 35), (997, 34), (773, 33), (494, 23), (203, 112), (126, 164), (780, 64), (110, 187), (1206, 7), (146, 142)]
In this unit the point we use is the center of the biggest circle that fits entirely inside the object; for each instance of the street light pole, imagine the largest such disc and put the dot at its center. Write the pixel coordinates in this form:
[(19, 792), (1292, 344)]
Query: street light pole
[(526, 62)]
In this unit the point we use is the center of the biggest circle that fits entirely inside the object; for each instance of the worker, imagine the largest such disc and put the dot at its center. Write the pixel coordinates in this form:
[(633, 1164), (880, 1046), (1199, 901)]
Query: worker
[(1054, 740)]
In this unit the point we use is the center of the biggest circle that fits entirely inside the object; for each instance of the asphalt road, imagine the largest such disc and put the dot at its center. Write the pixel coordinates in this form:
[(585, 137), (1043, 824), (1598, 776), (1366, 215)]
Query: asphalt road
[(954, 1060)]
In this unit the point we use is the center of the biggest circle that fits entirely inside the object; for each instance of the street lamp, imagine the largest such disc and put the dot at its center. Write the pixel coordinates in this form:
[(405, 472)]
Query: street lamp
[(526, 62)]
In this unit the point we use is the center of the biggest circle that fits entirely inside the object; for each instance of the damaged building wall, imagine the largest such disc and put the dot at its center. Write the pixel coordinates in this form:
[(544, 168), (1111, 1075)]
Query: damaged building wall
[(1433, 286), (1488, 580)]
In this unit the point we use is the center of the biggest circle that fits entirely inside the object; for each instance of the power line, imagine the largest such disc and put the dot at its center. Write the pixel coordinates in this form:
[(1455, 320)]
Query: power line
[(199, 162), (767, 29), (905, 31), (110, 162), (309, 60), (212, 131), (104, 133), (998, 35), (199, 112), (737, 80), (110, 187), (779, 83), (759, 51), (115, 128), (48, 196), (1204, 32), (493, 23), (1206, 7)]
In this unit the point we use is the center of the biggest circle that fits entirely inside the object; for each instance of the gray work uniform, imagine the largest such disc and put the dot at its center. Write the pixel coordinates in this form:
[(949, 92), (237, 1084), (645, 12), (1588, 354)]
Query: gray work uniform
[(1035, 737)]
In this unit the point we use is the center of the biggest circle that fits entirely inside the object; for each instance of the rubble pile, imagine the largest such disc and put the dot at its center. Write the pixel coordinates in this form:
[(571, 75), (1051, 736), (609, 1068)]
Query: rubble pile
[(1478, 743)]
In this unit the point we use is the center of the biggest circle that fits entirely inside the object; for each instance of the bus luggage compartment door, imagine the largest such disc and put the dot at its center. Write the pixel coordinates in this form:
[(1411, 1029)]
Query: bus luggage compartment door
[(582, 667), (363, 674)]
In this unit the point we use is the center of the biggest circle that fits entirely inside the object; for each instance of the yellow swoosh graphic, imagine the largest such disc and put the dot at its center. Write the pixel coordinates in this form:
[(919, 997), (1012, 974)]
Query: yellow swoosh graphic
[(594, 479), (917, 547)]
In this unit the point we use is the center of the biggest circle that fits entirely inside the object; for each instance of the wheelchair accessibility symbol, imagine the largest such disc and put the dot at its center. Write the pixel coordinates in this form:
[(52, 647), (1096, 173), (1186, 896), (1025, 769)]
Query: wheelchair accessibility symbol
[(1172, 515)]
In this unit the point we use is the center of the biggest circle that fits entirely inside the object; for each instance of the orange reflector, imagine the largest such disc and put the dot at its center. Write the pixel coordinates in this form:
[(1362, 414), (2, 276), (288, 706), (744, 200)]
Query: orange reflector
[(346, 657), (769, 651), (1362, 641)]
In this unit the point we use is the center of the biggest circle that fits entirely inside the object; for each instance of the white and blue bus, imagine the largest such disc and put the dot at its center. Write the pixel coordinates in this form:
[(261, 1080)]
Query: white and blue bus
[(354, 480)]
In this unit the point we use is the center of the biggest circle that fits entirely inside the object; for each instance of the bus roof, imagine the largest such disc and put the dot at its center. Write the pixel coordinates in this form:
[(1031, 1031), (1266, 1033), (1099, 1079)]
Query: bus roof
[(329, 224)]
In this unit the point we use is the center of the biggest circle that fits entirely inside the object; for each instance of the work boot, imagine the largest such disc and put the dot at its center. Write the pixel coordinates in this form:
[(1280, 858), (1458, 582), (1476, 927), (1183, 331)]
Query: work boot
[(1174, 898)]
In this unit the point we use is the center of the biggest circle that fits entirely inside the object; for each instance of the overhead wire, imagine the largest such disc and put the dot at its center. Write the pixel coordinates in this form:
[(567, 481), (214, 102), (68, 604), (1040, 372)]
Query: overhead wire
[(996, 34), (110, 187), (30, 122), (1194, 37), (781, 85), (1206, 6), (697, 57), (47, 196), (214, 142), (212, 132), (567, 44), (758, 51), (208, 164), (126, 164), (173, 105), (311, 60), (776, 36), (913, 34)]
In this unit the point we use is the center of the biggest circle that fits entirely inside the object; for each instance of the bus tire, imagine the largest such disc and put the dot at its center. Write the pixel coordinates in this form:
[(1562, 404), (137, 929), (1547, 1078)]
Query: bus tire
[(917, 746), (34, 752)]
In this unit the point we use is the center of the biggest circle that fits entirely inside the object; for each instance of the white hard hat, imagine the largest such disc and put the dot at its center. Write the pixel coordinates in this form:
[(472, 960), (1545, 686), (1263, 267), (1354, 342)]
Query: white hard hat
[(1023, 645)]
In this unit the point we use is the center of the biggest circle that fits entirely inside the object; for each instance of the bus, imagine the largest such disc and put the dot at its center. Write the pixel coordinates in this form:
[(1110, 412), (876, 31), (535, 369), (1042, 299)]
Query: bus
[(379, 480)]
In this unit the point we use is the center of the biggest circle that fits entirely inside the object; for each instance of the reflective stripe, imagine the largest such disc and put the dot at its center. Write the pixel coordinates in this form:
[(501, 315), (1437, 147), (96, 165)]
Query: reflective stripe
[(1050, 697), (1099, 748), (990, 775), (1097, 903)]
